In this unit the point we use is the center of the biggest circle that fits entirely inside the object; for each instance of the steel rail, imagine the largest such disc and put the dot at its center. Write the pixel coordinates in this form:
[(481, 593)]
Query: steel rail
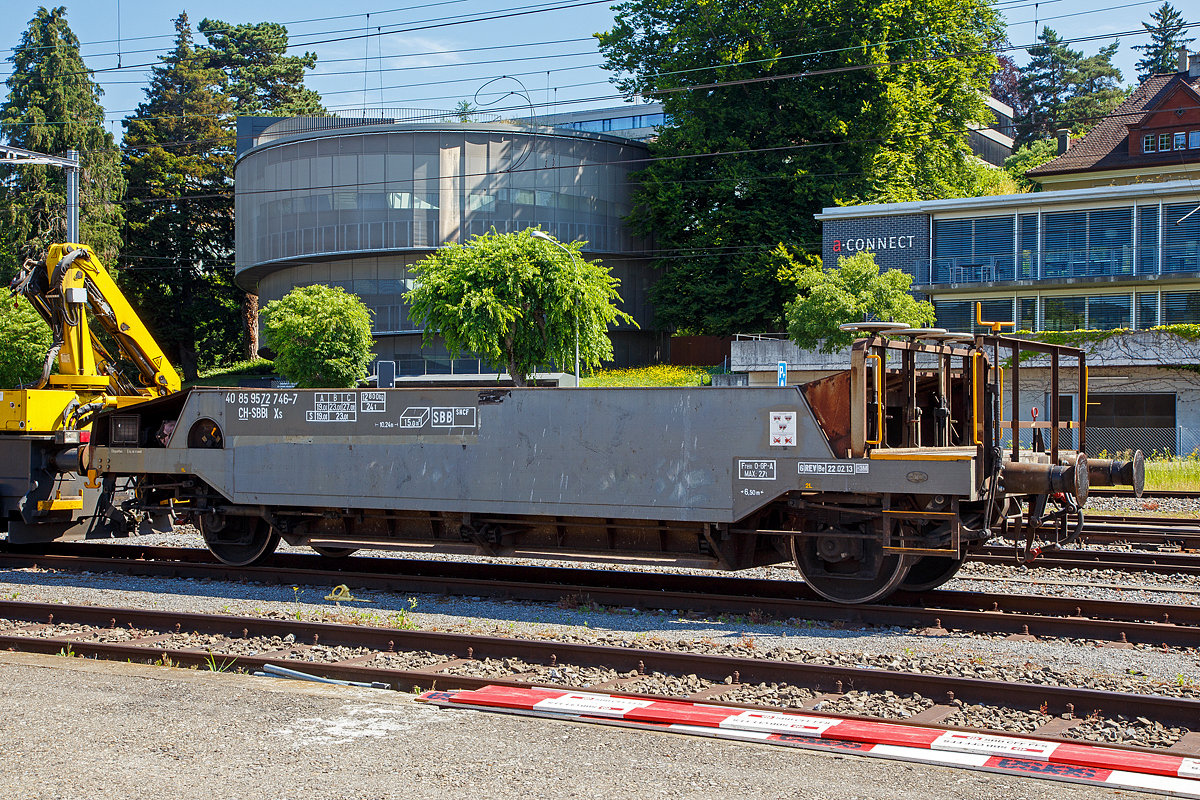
[(819, 678), (1038, 615)]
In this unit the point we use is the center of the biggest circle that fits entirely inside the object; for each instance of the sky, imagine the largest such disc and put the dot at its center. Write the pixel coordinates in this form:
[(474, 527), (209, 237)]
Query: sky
[(528, 57)]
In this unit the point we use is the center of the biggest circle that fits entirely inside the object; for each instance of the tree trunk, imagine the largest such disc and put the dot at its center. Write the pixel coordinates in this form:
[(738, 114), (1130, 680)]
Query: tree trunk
[(250, 322), (187, 360), (519, 378)]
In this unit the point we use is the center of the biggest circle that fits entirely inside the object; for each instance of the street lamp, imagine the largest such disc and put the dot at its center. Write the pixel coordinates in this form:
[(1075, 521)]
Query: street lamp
[(539, 234)]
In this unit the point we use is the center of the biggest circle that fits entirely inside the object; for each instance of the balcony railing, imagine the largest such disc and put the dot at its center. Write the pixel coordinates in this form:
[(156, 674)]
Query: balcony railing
[(1094, 262)]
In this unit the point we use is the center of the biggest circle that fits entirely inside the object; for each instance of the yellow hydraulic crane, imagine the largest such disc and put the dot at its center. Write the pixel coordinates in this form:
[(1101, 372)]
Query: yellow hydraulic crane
[(44, 426), (63, 287)]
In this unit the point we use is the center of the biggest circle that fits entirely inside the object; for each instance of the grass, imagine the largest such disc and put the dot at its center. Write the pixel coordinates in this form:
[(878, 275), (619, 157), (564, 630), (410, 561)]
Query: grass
[(659, 375), (230, 374), (1176, 474)]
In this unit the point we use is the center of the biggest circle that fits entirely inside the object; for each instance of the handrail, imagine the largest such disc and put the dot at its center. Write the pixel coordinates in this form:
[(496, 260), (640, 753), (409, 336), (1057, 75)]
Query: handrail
[(878, 397), (975, 356)]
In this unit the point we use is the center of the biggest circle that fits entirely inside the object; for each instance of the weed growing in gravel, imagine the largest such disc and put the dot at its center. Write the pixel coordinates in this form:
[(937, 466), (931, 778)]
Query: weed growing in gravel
[(211, 662), (165, 661), (67, 652), (1182, 680)]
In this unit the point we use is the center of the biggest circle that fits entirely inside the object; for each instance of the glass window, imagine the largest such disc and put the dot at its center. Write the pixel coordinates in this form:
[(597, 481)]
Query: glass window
[(1064, 313), (1131, 410), (974, 250), (1164, 141), (1147, 310), (1107, 312), (959, 315), (1028, 224), (1180, 141), (954, 315), (1027, 313), (1148, 143), (1181, 238), (1180, 308), (1084, 243), (1147, 259), (1194, 139)]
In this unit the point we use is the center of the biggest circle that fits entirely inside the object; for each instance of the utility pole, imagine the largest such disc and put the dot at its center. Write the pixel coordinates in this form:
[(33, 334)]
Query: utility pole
[(15, 156)]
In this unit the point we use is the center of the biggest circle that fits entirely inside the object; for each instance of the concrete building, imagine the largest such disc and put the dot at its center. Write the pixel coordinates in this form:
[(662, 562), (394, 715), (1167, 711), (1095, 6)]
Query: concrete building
[(356, 202)]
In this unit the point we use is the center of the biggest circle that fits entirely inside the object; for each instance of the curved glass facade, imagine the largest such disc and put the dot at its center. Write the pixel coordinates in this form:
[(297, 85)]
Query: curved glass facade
[(358, 206)]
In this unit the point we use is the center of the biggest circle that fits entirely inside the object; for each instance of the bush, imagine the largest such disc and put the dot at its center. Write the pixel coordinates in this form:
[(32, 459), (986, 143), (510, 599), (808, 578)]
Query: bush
[(321, 337), (659, 375), (24, 341)]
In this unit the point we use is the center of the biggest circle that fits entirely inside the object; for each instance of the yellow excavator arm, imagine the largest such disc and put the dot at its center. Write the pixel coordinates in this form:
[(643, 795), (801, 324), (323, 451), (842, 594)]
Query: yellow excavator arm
[(63, 287)]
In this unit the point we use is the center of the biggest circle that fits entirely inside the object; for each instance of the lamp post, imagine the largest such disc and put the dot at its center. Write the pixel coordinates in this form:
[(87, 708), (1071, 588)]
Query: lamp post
[(539, 234)]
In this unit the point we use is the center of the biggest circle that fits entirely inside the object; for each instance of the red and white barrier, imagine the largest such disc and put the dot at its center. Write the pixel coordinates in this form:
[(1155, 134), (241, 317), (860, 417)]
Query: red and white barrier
[(1080, 763)]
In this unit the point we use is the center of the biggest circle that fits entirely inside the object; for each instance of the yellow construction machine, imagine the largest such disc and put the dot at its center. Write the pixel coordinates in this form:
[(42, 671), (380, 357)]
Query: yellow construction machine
[(44, 492)]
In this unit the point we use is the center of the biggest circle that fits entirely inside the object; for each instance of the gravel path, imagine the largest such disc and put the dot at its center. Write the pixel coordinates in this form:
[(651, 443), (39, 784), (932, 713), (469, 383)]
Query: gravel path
[(83, 729)]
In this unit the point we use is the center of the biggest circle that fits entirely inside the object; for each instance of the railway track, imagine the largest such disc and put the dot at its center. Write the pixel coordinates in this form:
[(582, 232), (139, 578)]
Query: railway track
[(415, 660), (936, 612)]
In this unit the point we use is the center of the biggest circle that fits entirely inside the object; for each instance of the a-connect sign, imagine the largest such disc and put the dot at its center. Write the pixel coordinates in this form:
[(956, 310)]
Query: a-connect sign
[(897, 242), (851, 245)]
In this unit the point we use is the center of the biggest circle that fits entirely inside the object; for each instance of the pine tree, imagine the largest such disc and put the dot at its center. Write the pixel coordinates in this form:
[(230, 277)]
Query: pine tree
[(179, 158), (53, 106), (1045, 87), (262, 78), (1166, 37), (1095, 90)]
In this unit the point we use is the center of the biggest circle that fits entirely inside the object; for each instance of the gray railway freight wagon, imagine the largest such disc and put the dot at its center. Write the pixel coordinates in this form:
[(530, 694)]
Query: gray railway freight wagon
[(725, 477)]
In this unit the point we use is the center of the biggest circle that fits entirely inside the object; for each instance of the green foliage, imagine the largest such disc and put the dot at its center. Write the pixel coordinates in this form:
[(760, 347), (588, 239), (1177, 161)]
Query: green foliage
[(838, 134), (25, 339), (1028, 156), (657, 375), (1166, 37), (53, 106), (262, 78), (981, 179), (179, 161), (321, 336), (517, 302), (1062, 88), (854, 290)]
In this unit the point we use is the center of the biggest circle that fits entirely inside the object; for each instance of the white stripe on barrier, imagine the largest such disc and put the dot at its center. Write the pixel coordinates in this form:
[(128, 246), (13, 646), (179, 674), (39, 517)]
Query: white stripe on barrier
[(994, 745), (599, 704), (779, 723)]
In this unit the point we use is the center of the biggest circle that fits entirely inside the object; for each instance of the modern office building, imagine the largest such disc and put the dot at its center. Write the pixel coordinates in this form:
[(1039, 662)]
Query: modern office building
[(1111, 243), (356, 202)]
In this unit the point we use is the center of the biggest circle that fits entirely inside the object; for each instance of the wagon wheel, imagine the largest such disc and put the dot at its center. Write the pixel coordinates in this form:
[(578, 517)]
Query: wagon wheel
[(849, 570), (238, 541), (930, 572), (334, 552)]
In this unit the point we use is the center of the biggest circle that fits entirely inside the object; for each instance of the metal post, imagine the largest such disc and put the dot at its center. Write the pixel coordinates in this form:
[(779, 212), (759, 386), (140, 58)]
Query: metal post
[(73, 197)]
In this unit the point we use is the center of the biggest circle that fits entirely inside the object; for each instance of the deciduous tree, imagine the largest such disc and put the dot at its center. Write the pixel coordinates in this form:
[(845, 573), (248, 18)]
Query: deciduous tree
[(1026, 158), (850, 292), (778, 109), (517, 302), (53, 106), (320, 335), (25, 340)]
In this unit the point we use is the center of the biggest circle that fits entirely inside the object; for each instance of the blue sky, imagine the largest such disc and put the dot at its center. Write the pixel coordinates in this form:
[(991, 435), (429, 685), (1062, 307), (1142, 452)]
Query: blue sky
[(549, 53)]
